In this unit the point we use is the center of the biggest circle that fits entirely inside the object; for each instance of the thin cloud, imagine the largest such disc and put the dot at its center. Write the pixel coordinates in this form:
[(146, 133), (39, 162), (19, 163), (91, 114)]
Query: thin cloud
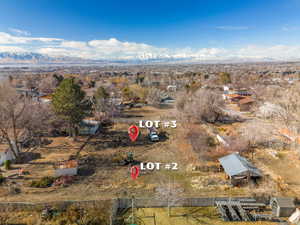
[(232, 28), (6, 38), (11, 49), (19, 32), (290, 28), (116, 49)]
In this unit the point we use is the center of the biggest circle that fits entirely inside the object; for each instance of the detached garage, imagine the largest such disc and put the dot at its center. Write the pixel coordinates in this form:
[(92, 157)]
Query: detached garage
[(239, 169)]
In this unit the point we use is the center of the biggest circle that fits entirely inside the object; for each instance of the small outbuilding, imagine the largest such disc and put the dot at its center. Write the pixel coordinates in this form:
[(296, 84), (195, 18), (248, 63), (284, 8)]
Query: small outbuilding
[(89, 127), (282, 206), (66, 168), (6, 153), (239, 169)]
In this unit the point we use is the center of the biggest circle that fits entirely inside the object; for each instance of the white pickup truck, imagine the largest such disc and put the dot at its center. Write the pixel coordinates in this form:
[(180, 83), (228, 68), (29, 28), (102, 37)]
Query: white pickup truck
[(153, 134)]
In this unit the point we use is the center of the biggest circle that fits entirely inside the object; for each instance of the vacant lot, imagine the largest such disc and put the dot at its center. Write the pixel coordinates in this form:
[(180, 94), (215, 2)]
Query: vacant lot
[(102, 177)]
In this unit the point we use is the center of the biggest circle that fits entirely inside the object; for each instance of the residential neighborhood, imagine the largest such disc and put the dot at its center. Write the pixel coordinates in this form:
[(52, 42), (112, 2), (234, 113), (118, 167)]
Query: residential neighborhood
[(230, 141), (149, 112)]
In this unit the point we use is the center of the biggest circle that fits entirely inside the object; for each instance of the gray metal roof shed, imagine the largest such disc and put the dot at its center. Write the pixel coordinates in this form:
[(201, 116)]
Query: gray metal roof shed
[(236, 165)]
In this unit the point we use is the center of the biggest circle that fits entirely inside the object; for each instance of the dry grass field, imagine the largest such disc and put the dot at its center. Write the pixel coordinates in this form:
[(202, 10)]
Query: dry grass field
[(103, 178), (183, 216)]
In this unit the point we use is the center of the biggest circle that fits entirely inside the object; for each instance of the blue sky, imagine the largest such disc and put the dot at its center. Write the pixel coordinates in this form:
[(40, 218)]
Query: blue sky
[(130, 29)]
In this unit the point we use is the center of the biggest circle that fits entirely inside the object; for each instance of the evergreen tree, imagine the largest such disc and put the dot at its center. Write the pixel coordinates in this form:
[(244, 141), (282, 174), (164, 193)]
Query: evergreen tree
[(58, 78), (70, 104), (225, 78), (101, 94), (127, 94)]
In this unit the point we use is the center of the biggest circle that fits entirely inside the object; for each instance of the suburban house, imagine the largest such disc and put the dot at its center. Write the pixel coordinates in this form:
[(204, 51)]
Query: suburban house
[(238, 169), (172, 88), (35, 95), (28, 93), (232, 98), (242, 97), (66, 168), (45, 98), (246, 103), (168, 100), (243, 92), (226, 90)]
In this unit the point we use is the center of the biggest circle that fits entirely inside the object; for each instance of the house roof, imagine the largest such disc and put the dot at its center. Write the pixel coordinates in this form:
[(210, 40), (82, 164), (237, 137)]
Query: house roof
[(246, 100), (234, 96), (68, 164), (235, 165), (168, 98), (46, 97)]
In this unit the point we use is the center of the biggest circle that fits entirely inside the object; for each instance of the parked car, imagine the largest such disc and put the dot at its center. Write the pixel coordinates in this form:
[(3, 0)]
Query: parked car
[(153, 136)]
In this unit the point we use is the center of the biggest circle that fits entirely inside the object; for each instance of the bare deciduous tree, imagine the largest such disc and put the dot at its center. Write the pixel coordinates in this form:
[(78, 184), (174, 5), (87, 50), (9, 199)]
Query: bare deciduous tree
[(38, 120), (154, 96), (104, 109), (47, 85), (21, 118), (201, 142), (30, 82), (202, 106), (258, 133), (289, 102), (12, 108)]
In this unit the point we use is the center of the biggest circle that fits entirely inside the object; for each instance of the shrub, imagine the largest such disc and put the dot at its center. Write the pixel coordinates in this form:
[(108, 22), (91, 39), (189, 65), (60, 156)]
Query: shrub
[(211, 142), (7, 164), (43, 183), (117, 158), (91, 216), (222, 129), (13, 190), (2, 178), (204, 106), (225, 78), (198, 139)]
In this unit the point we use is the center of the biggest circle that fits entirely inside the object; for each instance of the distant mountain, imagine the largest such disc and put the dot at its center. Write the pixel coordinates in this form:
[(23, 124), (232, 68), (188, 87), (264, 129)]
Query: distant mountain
[(33, 58), (36, 58)]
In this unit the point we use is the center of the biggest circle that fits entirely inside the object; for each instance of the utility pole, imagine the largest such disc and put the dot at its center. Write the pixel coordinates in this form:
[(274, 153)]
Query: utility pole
[(169, 196), (132, 210)]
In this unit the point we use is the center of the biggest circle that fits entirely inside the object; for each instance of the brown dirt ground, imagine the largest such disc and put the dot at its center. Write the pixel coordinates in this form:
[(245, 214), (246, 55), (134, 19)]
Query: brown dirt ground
[(110, 180)]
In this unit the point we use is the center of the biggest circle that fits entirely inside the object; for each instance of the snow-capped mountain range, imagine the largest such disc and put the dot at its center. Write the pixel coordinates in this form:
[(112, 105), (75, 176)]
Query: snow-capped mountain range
[(31, 57), (37, 58)]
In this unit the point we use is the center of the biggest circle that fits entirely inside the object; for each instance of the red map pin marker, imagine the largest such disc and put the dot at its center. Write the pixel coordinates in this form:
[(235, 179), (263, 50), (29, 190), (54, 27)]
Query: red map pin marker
[(134, 172), (133, 132)]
